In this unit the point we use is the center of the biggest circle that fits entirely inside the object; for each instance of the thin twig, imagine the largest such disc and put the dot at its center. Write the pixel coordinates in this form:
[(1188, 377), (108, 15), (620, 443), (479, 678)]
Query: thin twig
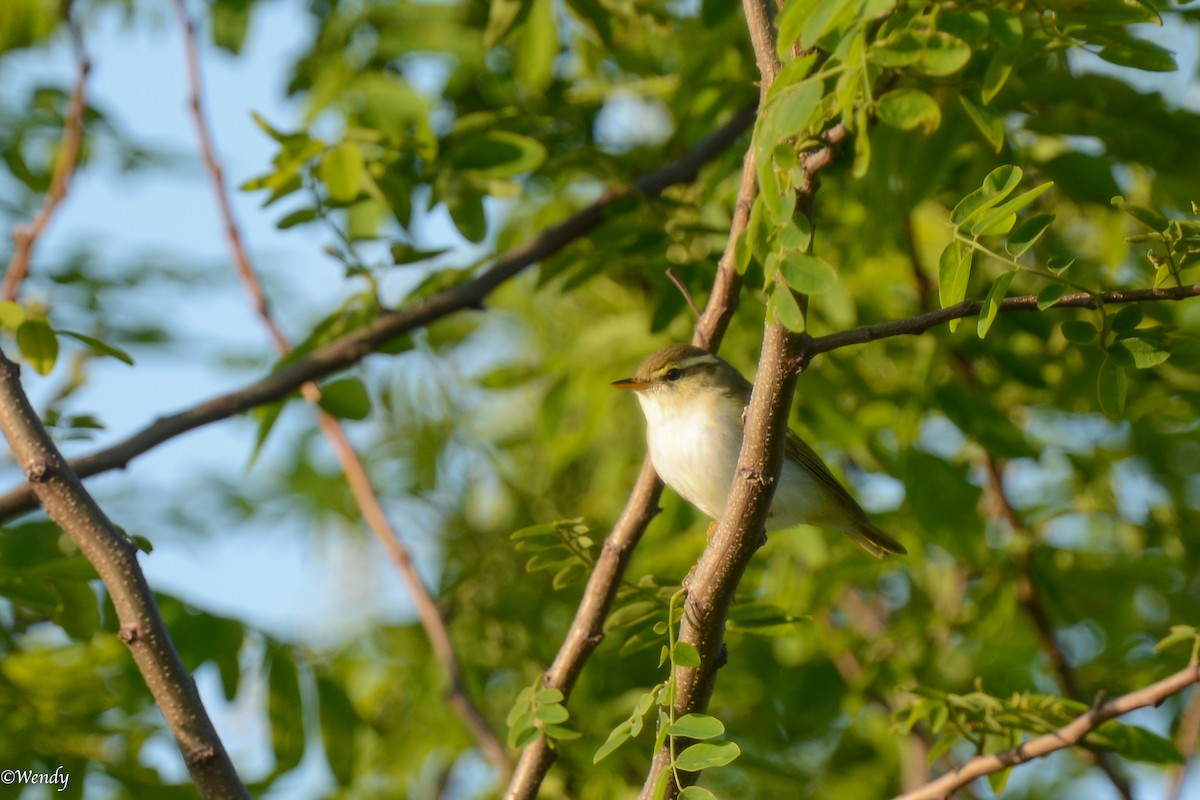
[(1067, 736), (25, 237), (683, 290), (352, 467), (114, 556)]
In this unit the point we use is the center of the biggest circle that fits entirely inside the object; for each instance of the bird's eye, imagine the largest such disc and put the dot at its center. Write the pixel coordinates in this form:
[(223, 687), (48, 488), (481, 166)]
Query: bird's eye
[(674, 374)]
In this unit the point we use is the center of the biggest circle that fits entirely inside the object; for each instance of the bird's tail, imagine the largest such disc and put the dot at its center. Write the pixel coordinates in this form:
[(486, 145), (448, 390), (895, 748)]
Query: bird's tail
[(875, 540)]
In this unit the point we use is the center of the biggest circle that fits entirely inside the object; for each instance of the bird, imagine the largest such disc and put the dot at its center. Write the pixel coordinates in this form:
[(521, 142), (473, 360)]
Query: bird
[(694, 403)]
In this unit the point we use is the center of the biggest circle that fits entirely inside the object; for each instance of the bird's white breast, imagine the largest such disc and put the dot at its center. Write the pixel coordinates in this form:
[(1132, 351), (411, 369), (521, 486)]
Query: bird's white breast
[(695, 449)]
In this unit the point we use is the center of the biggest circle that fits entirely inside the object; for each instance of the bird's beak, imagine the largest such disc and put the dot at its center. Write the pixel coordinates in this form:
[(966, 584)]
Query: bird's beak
[(631, 384)]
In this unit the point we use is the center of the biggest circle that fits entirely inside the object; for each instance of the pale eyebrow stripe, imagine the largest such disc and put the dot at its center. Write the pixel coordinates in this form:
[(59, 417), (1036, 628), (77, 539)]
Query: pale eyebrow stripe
[(697, 360)]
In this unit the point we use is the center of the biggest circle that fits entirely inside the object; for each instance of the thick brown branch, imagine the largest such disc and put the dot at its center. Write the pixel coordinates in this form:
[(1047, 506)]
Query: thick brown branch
[(115, 558), (739, 532), (25, 237), (1067, 736), (587, 628), (351, 349), (352, 467)]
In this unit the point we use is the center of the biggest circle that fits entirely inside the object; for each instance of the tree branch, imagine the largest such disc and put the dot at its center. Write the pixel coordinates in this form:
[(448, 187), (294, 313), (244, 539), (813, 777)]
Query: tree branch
[(351, 349), (25, 237), (738, 534), (970, 308), (587, 628), (115, 558), (352, 467), (1067, 736)]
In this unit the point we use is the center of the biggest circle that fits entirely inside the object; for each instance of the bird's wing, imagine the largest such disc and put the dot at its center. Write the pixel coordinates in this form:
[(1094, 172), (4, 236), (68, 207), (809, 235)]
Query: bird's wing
[(797, 448)]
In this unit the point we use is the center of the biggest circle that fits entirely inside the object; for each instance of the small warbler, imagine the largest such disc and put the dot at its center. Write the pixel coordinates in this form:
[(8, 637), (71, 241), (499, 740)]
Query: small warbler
[(694, 403)]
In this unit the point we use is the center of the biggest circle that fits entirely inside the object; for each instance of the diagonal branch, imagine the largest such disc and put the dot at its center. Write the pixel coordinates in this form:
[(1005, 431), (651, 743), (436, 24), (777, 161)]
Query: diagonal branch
[(738, 534), (351, 349), (1069, 735), (114, 556), (587, 628), (25, 237), (352, 467)]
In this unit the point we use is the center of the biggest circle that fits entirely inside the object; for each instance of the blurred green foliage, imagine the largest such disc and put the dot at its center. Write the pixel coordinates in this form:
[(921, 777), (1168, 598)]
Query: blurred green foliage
[(501, 419)]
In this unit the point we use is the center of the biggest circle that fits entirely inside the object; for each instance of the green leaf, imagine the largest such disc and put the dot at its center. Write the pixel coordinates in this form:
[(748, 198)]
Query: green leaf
[(991, 303), (339, 722), (559, 733), (285, 708), (1179, 634), (99, 346), (1144, 353), (266, 415), (346, 399), (77, 612), (697, 726), (568, 576), (807, 273), (502, 15), (1025, 235), (552, 713), (707, 756), (619, 736), (954, 271), (229, 21), (988, 122), (1146, 216), (996, 186), (685, 655), (548, 694), (696, 793), (1110, 388), (498, 154), (998, 780), (986, 223), (341, 170), (1137, 744), (1126, 319), (12, 314), (1079, 331), (789, 114), (1050, 295), (786, 310), (38, 345), (943, 54), (297, 217), (909, 108), (1129, 51)]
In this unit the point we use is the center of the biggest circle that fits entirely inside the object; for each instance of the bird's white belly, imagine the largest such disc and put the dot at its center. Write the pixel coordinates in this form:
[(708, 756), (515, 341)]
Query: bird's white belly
[(696, 454)]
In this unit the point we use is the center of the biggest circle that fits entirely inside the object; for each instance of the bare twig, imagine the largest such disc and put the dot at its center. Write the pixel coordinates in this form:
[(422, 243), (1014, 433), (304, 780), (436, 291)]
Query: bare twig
[(25, 237), (683, 290), (354, 347), (352, 467), (115, 558), (1067, 736)]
